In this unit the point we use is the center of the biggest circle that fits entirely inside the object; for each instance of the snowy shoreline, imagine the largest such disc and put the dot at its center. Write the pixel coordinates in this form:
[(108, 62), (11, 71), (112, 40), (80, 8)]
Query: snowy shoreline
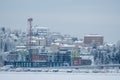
[(56, 70), (58, 76)]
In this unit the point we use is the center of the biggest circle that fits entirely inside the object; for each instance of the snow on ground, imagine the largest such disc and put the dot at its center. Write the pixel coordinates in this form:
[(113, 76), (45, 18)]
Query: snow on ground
[(58, 76)]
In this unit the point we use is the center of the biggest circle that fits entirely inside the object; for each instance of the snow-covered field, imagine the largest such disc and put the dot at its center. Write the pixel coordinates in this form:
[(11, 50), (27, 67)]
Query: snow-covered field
[(58, 76)]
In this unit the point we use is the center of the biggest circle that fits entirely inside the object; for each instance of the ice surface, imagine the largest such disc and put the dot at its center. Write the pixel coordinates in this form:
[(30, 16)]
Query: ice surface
[(58, 76)]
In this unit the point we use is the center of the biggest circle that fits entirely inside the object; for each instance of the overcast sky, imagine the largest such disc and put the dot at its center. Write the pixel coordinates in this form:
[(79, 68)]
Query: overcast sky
[(74, 17)]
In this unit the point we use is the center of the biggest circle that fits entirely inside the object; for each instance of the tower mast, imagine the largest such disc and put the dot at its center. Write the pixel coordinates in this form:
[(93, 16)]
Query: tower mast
[(30, 31)]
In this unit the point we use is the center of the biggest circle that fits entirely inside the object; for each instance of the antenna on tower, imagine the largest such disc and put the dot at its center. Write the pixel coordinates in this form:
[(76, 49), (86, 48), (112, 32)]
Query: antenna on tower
[(30, 31)]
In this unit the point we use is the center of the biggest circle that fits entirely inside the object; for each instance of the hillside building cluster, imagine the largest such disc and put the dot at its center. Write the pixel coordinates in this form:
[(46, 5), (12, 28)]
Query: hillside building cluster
[(48, 49)]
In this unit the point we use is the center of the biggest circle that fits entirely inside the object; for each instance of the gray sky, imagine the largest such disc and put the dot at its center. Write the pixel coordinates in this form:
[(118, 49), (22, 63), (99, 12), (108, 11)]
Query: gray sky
[(74, 17)]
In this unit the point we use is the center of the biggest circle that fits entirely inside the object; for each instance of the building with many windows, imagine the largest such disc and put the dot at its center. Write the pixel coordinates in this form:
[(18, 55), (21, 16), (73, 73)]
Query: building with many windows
[(40, 31), (93, 39)]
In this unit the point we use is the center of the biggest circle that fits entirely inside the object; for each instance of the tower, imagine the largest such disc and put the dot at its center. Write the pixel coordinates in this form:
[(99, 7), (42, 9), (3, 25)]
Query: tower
[(30, 31)]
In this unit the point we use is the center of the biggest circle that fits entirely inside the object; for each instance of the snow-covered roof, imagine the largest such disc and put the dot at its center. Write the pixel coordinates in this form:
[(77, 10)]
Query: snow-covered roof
[(36, 38), (87, 57), (41, 28), (110, 44), (66, 45), (20, 46), (13, 36), (93, 35), (33, 41), (33, 37), (78, 41), (58, 40), (55, 43)]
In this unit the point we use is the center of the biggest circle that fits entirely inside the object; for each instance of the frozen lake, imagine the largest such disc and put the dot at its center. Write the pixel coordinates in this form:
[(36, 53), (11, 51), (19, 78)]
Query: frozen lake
[(58, 76)]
